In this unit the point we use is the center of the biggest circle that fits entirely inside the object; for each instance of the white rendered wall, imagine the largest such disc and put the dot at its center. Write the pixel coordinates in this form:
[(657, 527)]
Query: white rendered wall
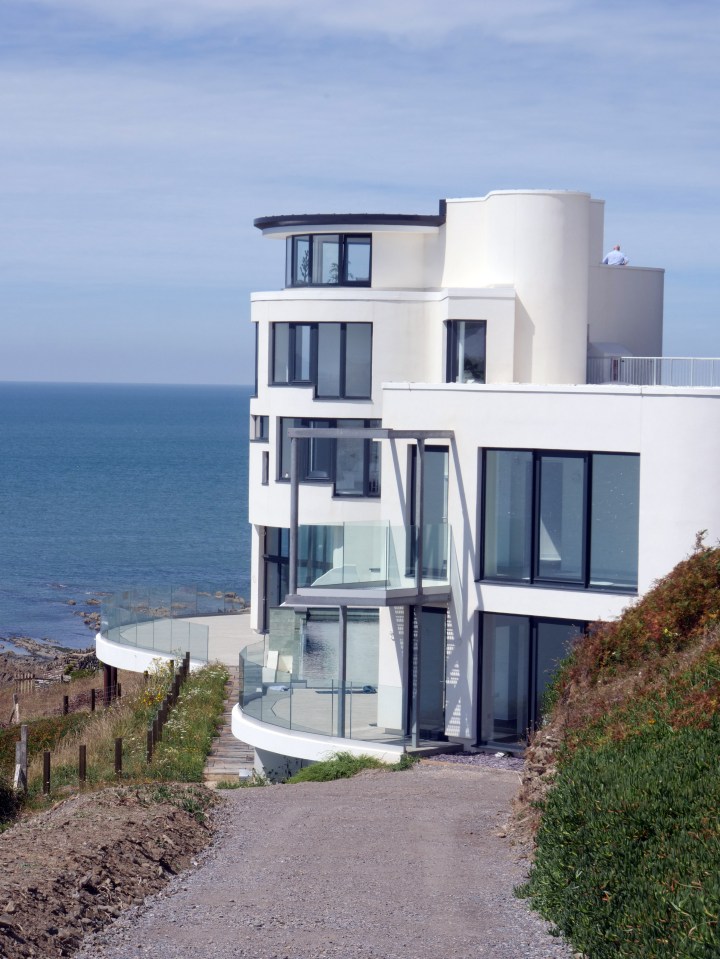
[(538, 242), (670, 429), (626, 307)]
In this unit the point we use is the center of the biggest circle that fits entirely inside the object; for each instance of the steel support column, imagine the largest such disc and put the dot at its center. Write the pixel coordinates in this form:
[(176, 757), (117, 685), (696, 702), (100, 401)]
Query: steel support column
[(342, 668), (294, 504)]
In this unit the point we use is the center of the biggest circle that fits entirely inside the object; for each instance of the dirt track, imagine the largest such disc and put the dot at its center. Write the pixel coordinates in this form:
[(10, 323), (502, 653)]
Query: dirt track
[(384, 866)]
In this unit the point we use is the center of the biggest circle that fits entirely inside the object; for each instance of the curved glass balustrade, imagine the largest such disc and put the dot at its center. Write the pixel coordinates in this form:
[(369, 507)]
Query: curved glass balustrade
[(281, 687), (158, 619)]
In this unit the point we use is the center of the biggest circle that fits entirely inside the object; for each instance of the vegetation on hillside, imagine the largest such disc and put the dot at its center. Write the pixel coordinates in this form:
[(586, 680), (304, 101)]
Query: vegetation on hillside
[(629, 837), (179, 757)]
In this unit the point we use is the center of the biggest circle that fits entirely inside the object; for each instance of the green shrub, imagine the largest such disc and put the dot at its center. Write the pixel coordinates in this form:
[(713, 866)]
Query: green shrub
[(342, 765), (629, 845)]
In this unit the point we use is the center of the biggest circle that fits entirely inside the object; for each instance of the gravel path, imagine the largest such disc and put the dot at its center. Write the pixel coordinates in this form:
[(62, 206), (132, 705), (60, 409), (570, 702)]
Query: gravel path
[(384, 866)]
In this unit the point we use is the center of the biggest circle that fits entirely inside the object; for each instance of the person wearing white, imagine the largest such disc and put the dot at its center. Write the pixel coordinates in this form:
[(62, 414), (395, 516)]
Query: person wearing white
[(616, 258)]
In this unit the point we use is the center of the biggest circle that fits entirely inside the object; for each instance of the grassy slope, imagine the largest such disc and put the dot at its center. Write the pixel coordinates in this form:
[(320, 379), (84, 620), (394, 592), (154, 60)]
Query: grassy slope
[(629, 839)]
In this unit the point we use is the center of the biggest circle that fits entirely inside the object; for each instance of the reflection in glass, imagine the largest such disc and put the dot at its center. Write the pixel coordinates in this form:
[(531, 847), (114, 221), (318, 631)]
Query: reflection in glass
[(281, 352), (358, 359), (302, 365), (561, 532), (349, 466), (326, 259), (466, 351), (301, 261), (508, 514), (357, 262), (553, 643), (505, 715), (614, 520), (329, 359)]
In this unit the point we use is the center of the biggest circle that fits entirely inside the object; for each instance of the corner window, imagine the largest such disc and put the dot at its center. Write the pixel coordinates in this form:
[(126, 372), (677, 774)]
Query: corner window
[(328, 259), (335, 358), (520, 656), (466, 351), (351, 465), (561, 518)]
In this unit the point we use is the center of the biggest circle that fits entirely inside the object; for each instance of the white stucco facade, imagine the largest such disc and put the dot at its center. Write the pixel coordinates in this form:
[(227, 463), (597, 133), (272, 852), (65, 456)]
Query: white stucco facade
[(547, 502)]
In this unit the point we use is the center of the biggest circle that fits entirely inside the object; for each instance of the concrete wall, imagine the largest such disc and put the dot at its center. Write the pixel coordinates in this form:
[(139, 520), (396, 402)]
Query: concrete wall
[(625, 306), (678, 490)]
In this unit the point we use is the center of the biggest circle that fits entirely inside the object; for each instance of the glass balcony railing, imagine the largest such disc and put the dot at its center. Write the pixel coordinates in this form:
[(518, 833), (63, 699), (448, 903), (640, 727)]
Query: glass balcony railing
[(157, 619), (357, 710), (371, 555)]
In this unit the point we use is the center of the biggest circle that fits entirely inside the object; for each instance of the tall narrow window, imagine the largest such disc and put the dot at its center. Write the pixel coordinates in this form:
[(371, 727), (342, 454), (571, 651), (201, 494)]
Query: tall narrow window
[(508, 514), (466, 351), (614, 520), (358, 365), (561, 519)]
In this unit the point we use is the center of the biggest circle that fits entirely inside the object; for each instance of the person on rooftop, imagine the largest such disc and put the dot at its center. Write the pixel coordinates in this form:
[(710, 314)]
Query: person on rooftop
[(616, 258)]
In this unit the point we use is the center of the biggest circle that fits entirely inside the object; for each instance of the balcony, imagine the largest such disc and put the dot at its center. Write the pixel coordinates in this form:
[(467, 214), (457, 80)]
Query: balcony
[(372, 564), (654, 370)]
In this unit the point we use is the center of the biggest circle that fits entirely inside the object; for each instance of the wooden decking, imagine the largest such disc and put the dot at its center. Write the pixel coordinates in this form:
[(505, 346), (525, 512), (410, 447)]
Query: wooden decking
[(228, 755)]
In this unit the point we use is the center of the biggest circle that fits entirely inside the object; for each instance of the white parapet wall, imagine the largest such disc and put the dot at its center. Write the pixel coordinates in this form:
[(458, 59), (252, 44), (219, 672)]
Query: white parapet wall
[(133, 658), (308, 746)]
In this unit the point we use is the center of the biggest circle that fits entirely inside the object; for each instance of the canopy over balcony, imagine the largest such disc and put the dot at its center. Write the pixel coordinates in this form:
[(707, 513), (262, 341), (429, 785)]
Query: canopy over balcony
[(366, 564)]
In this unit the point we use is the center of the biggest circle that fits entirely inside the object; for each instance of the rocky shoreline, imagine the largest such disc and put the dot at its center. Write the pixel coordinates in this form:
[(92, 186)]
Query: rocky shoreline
[(45, 660)]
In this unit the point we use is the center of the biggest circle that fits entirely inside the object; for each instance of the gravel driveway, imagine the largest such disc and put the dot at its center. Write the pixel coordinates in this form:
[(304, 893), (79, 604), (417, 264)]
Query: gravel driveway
[(383, 866)]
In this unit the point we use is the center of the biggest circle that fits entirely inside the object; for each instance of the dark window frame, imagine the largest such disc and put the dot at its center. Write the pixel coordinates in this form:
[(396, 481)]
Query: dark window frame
[(305, 474), (534, 716), (260, 428), (309, 238), (293, 380), (451, 340), (535, 579)]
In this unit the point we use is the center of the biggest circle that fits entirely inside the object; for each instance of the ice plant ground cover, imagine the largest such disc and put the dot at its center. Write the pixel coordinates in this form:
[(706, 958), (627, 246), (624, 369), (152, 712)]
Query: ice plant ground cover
[(629, 838)]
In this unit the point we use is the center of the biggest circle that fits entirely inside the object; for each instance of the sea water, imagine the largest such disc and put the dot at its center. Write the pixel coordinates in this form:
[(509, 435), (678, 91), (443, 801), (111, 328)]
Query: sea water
[(107, 487)]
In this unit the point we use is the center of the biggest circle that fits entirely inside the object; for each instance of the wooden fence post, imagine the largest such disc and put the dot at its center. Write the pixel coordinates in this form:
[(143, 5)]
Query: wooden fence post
[(149, 745), (46, 772), (82, 764), (15, 715), (66, 705), (21, 761), (118, 756), (92, 700)]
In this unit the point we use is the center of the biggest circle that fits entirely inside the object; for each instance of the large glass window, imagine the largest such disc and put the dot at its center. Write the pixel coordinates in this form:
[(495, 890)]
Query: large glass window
[(336, 358), (352, 465), (520, 656), (561, 519), (508, 514), (614, 520), (466, 351), (566, 518), (328, 259)]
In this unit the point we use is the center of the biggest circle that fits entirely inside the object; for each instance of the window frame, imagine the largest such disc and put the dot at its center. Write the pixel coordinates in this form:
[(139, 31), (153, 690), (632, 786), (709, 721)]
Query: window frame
[(451, 357), (343, 258), (294, 381), (585, 581), (532, 699), (304, 470)]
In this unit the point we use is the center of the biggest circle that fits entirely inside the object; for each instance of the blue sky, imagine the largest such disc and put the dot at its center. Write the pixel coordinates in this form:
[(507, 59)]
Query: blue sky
[(141, 138)]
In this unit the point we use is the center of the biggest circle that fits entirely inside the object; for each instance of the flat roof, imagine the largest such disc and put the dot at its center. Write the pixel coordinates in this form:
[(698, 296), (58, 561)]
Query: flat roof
[(295, 221)]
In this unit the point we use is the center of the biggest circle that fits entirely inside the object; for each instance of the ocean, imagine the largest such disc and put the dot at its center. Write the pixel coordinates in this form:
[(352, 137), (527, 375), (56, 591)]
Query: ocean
[(107, 487)]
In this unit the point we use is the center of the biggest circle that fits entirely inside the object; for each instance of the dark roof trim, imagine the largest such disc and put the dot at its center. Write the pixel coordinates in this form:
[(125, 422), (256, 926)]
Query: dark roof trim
[(292, 222)]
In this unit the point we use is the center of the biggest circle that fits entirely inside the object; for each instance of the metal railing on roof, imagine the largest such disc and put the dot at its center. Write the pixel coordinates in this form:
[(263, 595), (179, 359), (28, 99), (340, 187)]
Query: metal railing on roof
[(654, 370)]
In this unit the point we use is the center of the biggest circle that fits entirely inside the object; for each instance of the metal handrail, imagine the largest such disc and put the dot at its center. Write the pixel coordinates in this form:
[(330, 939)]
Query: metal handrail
[(654, 370)]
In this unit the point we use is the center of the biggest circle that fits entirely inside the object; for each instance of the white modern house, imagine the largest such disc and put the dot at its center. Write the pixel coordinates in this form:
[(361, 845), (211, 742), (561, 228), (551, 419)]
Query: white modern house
[(465, 448)]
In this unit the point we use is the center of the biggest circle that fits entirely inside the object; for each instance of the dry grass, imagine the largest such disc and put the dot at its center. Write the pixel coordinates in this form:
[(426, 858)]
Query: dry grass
[(47, 700)]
